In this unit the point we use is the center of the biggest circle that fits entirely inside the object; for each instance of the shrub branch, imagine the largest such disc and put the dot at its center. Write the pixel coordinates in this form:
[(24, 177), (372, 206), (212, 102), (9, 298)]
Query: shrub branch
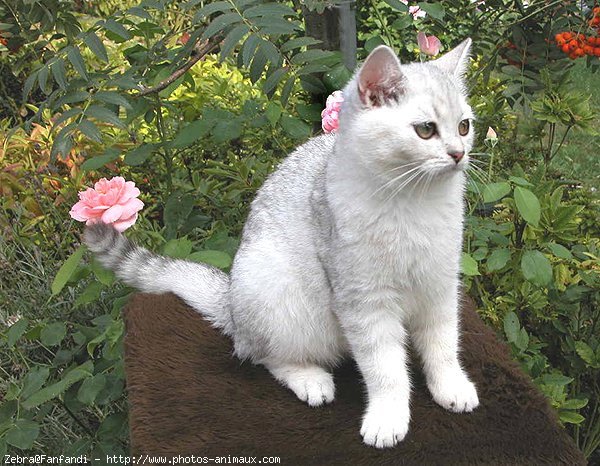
[(200, 50)]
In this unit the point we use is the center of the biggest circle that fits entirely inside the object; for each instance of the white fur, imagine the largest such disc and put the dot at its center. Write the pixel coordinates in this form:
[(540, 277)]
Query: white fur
[(353, 246)]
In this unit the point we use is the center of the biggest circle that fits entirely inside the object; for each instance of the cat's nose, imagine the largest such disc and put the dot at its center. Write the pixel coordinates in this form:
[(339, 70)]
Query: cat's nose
[(456, 155)]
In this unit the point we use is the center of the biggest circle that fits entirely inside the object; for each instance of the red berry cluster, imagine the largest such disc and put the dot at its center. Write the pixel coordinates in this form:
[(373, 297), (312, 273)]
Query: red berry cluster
[(577, 45), (595, 21)]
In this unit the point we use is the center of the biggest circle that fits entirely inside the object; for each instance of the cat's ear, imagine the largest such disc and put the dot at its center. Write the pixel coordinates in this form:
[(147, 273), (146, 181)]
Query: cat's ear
[(380, 78), (456, 61)]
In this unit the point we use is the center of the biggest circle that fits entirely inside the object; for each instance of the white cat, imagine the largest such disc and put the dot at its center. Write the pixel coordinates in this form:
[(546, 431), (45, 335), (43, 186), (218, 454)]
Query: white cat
[(351, 247)]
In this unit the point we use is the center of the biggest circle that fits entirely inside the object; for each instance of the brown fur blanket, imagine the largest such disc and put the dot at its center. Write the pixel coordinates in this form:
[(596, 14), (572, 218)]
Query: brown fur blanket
[(188, 395)]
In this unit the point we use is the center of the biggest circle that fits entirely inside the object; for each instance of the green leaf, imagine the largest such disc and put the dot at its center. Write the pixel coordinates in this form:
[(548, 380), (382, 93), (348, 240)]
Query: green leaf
[(574, 403), (104, 114), (495, 191), (258, 64), (276, 26), (273, 112), (528, 205), (269, 9), (397, 5), (560, 251), (273, 80), (8, 409), (226, 130), (90, 294), (522, 341), (103, 275), (337, 78), (435, 10), (586, 353), (117, 28), (310, 55), (178, 248), (99, 161), (96, 46), (468, 265), (89, 389), (53, 334), (43, 78), (192, 132), (59, 73), (298, 42), (72, 98), (23, 434), (498, 259), (556, 379), (66, 270), (34, 380), (570, 417), (211, 8), (76, 60), (16, 331), (287, 90), (112, 97), (312, 84), (232, 39), (519, 181), (511, 326), (140, 154), (271, 52), (218, 259), (46, 394), (220, 23), (310, 112), (28, 86), (90, 130), (248, 49), (536, 268), (177, 209), (295, 128)]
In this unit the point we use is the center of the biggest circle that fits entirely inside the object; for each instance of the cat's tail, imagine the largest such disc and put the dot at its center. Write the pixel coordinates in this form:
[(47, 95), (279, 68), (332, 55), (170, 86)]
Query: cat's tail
[(202, 286)]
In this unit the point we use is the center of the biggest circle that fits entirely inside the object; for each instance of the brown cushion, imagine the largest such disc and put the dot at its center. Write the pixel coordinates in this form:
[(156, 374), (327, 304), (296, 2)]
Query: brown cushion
[(189, 395)]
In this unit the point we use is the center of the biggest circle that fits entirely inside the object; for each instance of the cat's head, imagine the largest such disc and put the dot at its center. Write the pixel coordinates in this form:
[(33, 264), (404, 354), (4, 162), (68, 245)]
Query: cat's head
[(409, 116)]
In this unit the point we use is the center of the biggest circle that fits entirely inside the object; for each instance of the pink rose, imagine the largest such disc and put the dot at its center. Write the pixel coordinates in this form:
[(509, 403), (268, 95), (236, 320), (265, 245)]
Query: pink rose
[(110, 201), (330, 113), (429, 45)]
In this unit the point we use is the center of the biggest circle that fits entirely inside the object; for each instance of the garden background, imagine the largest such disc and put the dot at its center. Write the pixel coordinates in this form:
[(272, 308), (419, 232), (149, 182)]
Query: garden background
[(197, 101)]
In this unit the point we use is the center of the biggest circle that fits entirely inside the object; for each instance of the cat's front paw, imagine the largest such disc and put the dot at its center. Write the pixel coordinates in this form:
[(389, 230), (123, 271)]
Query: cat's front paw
[(455, 392), (385, 425)]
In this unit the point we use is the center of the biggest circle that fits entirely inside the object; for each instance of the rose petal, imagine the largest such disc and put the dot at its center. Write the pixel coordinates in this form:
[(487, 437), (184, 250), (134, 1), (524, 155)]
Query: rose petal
[(112, 214), (131, 207), (122, 225)]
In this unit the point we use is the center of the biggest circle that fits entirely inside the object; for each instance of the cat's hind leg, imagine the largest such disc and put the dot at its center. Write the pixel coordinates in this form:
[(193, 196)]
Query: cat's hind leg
[(311, 383)]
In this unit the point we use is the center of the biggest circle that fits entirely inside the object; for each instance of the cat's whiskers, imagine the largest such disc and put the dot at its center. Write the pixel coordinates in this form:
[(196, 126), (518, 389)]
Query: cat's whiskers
[(395, 179), (405, 183)]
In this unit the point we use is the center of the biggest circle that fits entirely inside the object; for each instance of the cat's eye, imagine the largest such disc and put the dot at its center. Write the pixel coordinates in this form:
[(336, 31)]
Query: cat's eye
[(426, 130), (463, 127)]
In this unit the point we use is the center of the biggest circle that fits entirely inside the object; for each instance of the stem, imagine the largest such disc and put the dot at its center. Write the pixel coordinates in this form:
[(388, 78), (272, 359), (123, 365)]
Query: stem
[(199, 51), (551, 137), (383, 23), (562, 141), (77, 420), (160, 127), (491, 163)]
